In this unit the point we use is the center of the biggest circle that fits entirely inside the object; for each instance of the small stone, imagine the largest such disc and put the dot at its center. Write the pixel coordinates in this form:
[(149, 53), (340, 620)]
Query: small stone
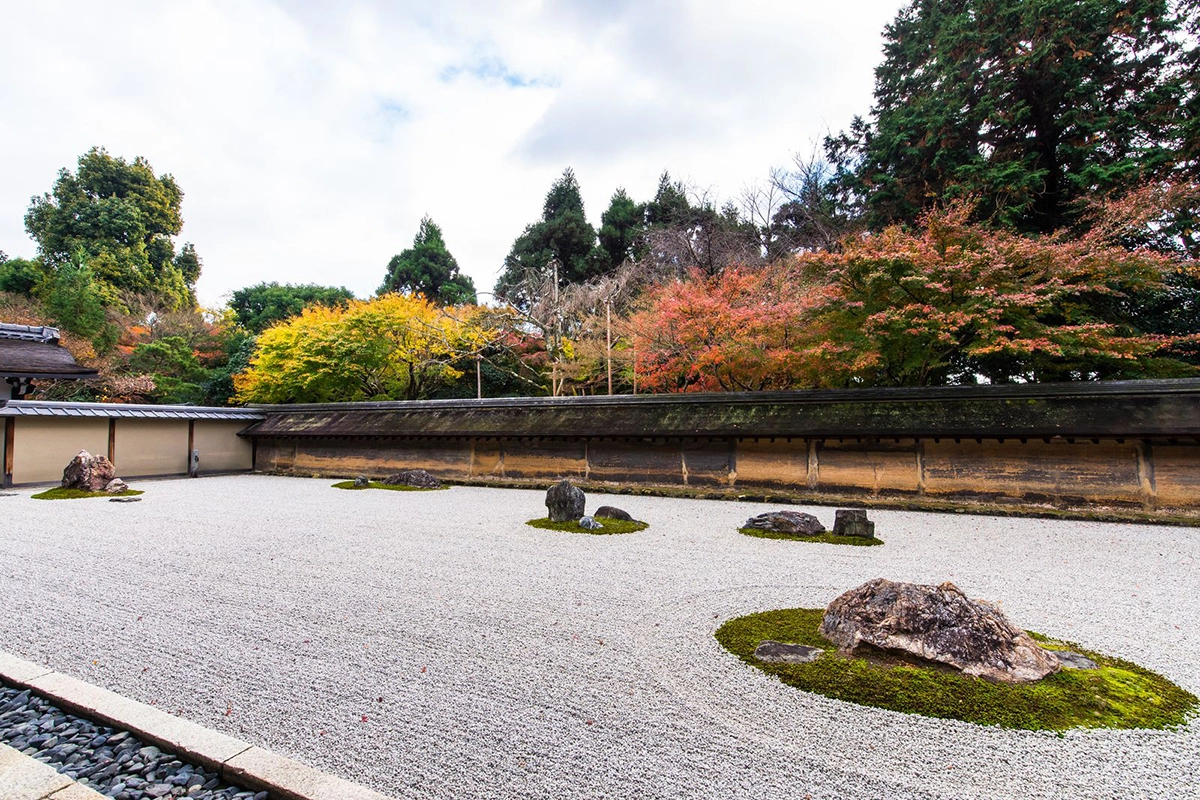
[(116, 486), (1075, 660), (853, 522), (588, 523), (793, 522), (610, 512), (565, 502), (417, 478), (780, 652), (361, 482), (124, 499)]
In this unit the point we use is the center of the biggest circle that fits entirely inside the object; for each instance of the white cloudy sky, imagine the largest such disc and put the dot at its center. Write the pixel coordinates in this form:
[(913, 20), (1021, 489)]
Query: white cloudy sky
[(310, 137)]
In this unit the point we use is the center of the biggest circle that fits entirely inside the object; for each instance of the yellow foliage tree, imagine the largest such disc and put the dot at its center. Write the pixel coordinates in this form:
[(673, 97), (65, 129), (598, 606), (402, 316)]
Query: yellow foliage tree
[(391, 347)]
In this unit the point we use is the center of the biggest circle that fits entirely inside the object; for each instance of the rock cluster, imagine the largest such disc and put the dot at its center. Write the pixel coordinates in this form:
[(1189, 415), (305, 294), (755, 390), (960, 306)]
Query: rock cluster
[(418, 478), (114, 763), (935, 624), (92, 474)]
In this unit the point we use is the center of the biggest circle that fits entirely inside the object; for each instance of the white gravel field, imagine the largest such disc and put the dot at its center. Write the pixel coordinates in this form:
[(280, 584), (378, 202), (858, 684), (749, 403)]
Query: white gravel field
[(430, 644)]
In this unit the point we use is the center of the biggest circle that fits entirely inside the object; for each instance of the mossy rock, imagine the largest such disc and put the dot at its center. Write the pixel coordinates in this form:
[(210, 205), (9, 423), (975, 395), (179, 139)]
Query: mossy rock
[(825, 538), (391, 487), (62, 493), (1119, 694), (610, 526)]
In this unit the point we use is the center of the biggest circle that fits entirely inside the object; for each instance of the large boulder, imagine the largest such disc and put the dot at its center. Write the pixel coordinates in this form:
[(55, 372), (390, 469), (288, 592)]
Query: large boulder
[(565, 502), (88, 472), (795, 523), (418, 478), (937, 624)]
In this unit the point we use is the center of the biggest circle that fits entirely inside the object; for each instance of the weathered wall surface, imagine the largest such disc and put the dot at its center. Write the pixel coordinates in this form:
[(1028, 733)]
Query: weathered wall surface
[(42, 448), (1066, 473), (221, 449), (144, 447)]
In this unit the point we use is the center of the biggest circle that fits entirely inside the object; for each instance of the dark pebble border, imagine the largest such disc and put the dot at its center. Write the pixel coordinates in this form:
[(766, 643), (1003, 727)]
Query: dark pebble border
[(113, 762)]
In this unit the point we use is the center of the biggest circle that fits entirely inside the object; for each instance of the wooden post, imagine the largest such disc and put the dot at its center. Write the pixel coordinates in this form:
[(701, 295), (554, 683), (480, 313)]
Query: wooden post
[(112, 441), (478, 376), (10, 428), (608, 341)]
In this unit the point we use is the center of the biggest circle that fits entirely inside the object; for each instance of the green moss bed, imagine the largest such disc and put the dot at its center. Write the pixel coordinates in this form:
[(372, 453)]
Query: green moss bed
[(826, 538), (610, 526), (60, 493), (391, 487), (1119, 694)]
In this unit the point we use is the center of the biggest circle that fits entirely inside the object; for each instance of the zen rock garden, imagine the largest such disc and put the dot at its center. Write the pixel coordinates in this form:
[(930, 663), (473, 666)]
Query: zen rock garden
[(404, 480), (932, 650), (87, 475), (566, 506), (850, 526)]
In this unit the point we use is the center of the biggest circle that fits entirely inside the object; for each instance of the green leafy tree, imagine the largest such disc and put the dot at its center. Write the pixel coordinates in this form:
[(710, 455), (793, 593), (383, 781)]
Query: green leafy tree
[(258, 307), (20, 276), (562, 236), (176, 370), (120, 211), (429, 269), (1029, 107)]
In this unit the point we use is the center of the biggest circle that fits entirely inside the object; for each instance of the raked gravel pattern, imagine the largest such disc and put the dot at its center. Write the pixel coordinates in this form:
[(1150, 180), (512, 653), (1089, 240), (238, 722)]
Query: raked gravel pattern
[(430, 644)]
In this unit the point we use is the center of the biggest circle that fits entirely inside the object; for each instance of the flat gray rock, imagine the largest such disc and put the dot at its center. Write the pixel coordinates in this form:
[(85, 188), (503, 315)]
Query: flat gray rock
[(124, 499), (1075, 660), (779, 652), (792, 522)]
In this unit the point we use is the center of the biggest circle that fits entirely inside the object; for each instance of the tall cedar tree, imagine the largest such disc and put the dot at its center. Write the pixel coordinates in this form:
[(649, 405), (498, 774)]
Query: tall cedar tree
[(121, 218), (621, 231), (1031, 106), (562, 234), (429, 269)]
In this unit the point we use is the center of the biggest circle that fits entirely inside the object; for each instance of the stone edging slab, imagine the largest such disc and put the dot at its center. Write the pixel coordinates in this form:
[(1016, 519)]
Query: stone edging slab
[(23, 777), (237, 761)]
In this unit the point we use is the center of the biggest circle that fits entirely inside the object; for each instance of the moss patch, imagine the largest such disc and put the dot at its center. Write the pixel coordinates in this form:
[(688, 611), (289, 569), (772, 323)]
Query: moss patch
[(1119, 694), (61, 493), (610, 526), (827, 537), (391, 487)]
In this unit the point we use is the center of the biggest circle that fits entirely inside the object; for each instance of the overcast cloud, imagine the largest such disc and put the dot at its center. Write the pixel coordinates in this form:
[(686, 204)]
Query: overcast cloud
[(310, 137)]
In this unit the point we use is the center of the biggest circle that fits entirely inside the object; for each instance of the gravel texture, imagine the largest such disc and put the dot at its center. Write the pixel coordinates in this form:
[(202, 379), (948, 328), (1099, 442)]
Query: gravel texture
[(113, 762), (431, 644)]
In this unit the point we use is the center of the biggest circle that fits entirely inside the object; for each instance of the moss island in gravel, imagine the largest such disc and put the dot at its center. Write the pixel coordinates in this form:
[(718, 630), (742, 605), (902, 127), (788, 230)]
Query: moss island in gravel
[(391, 487), (825, 538), (62, 493), (610, 526), (1119, 694)]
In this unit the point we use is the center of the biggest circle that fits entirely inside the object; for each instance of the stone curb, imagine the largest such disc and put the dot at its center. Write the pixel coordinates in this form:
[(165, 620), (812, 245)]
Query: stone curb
[(238, 762), (23, 777)]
